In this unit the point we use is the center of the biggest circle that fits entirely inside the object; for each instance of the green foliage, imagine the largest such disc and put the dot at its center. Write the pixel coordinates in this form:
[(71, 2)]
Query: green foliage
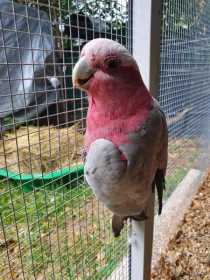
[(111, 12), (181, 18)]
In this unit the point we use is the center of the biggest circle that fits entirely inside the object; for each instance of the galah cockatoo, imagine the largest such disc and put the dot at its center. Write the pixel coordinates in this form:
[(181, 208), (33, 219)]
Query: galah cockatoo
[(126, 135)]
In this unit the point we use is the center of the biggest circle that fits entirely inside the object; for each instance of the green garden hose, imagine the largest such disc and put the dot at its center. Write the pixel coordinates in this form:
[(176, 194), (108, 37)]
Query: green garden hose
[(29, 181)]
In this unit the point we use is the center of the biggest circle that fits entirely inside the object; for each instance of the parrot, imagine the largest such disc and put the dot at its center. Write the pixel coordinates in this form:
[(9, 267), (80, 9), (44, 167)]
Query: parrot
[(126, 137)]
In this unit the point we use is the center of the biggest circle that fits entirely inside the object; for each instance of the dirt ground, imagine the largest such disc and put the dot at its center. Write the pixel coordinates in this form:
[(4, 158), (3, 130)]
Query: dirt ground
[(188, 254)]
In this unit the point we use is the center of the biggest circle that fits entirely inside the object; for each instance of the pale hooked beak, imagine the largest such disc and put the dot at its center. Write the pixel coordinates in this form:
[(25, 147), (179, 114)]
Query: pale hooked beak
[(82, 73)]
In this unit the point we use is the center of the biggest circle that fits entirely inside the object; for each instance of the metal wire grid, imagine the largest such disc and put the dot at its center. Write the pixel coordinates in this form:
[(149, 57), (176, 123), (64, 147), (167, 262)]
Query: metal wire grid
[(51, 229), (60, 232), (184, 84)]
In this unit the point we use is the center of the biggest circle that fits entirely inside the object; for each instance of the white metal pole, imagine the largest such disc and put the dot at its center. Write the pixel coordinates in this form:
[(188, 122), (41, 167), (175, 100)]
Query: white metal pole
[(146, 50)]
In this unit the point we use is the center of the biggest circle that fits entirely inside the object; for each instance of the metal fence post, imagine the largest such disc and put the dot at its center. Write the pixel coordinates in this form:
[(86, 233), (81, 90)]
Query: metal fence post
[(146, 50)]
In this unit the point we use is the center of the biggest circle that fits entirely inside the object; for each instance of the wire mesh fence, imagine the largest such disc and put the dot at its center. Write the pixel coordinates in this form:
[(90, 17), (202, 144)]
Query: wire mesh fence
[(52, 227), (184, 85)]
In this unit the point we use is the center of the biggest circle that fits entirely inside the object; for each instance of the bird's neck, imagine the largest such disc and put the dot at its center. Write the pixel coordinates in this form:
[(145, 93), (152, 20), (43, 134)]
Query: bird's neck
[(113, 118), (118, 102)]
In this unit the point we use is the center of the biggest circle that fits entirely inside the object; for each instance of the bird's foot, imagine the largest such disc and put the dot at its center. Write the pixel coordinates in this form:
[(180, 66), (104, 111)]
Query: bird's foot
[(117, 224)]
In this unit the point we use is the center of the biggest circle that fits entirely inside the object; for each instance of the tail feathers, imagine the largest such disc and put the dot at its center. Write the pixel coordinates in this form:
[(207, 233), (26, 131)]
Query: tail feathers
[(160, 186)]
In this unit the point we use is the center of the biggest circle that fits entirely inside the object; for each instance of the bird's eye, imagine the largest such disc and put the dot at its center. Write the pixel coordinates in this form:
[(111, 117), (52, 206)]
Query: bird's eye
[(112, 63)]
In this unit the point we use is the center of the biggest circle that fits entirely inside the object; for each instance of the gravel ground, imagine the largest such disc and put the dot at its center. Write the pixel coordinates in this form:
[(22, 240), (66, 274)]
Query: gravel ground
[(188, 254)]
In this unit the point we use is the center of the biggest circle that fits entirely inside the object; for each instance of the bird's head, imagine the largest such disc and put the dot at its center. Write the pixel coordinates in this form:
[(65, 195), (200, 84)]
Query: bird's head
[(118, 100), (104, 63)]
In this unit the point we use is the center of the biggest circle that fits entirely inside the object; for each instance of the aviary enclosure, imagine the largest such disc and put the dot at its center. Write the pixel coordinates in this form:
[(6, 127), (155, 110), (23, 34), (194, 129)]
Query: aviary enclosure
[(51, 225)]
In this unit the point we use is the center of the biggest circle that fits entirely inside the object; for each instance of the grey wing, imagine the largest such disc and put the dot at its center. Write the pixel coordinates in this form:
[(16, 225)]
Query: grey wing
[(159, 180), (149, 143), (104, 169), (163, 153), (148, 153)]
